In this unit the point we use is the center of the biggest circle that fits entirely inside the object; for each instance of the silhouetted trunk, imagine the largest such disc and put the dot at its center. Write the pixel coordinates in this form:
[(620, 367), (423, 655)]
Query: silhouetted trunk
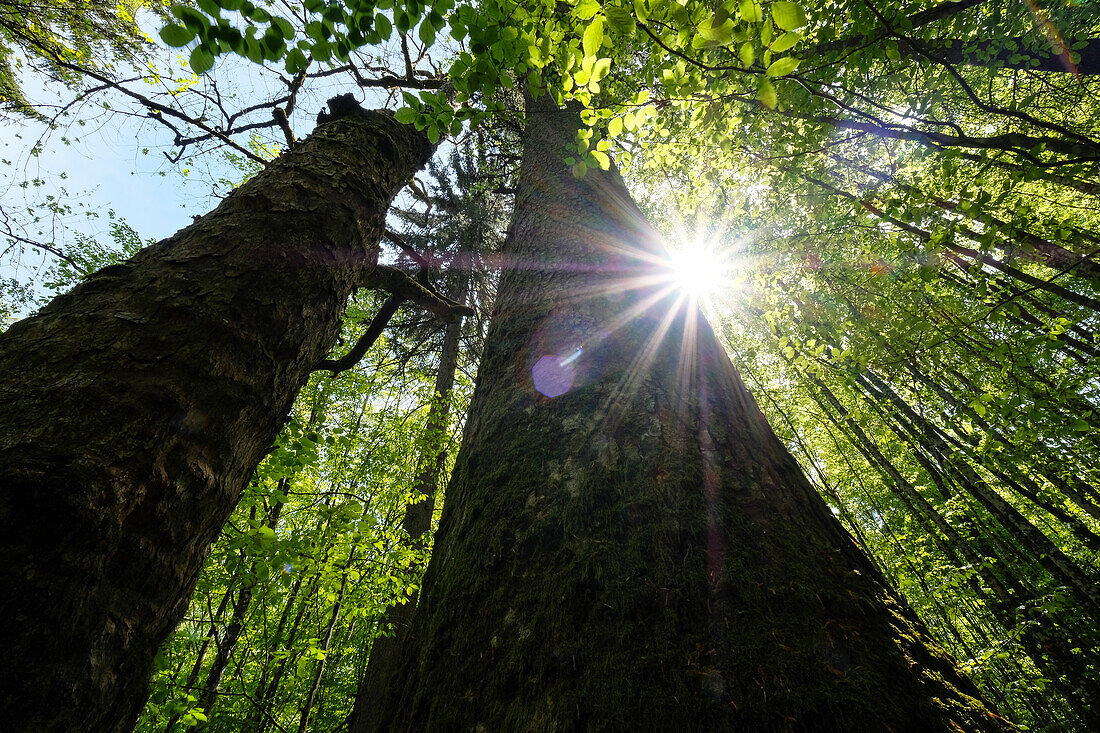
[(625, 544), (134, 409), (1079, 582), (263, 700)]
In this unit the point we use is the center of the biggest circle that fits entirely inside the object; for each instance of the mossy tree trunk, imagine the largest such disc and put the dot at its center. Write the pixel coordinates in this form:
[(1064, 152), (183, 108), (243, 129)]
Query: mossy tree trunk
[(641, 552), (134, 409)]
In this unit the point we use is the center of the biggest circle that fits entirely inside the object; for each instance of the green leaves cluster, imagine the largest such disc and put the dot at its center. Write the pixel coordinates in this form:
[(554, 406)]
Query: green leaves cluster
[(331, 33)]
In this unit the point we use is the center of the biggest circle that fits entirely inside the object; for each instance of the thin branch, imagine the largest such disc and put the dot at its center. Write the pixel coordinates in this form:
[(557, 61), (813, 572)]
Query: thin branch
[(362, 345)]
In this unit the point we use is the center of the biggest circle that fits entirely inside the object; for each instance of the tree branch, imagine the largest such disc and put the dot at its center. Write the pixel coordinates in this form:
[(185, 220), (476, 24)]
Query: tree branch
[(374, 330), (399, 283)]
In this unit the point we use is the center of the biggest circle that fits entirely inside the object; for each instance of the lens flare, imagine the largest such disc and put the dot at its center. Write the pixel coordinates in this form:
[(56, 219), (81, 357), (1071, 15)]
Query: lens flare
[(700, 271)]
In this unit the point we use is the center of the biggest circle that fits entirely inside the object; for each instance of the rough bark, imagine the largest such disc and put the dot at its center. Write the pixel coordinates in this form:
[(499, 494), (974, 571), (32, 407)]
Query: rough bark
[(641, 552), (134, 409)]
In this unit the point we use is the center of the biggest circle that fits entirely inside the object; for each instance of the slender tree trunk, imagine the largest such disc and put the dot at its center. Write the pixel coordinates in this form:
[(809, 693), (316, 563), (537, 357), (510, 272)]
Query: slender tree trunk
[(1079, 582), (319, 668), (264, 697), (134, 409), (384, 651), (236, 624), (639, 551)]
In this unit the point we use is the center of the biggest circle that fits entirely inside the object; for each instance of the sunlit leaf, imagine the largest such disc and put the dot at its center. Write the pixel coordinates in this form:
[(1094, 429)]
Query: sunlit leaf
[(751, 11), (787, 15), (783, 66), (593, 37), (766, 93), (746, 54), (785, 42)]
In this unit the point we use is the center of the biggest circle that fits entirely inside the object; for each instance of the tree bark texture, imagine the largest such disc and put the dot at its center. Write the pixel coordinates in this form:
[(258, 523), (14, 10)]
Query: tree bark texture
[(641, 552), (134, 409)]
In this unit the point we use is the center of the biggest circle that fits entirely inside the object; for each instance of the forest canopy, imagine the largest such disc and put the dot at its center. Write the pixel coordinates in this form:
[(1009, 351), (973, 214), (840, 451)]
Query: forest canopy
[(886, 211)]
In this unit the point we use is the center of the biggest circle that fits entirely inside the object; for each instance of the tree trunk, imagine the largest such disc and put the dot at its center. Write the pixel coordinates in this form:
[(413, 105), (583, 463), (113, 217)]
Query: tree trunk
[(640, 552), (237, 621), (134, 409), (319, 668)]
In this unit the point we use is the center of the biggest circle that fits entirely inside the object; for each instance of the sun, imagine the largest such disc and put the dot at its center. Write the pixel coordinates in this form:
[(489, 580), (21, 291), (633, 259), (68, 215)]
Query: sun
[(699, 270)]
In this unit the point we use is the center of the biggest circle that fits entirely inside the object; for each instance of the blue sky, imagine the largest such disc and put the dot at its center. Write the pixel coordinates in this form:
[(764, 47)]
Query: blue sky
[(115, 161)]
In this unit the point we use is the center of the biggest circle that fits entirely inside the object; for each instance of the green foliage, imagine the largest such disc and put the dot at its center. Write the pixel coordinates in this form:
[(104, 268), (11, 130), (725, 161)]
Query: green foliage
[(47, 35), (340, 473)]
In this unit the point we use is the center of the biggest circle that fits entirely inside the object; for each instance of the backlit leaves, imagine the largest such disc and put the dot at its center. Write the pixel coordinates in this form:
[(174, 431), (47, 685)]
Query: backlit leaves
[(751, 11), (782, 67), (787, 15), (593, 37)]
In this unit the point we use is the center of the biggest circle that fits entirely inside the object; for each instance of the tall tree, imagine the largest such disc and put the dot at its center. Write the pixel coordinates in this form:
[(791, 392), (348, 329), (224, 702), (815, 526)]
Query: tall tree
[(134, 408), (625, 542)]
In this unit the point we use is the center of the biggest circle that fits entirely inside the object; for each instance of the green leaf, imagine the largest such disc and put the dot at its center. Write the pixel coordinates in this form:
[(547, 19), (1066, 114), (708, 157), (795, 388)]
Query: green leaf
[(720, 35), (201, 60), (433, 134), (296, 61), (259, 15), (620, 20), (286, 30), (321, 50), (746, 54), (383, 26), (602, 158), (600, 69), (751, 11), (253, 50), (191, 18), (766, 93), (593, 37), (405, 115), (580, 169), (427, 33), (783, 66), (586, 9), (787, 15), (176, 35), (785, 42), (615, 126), (209, 7)]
